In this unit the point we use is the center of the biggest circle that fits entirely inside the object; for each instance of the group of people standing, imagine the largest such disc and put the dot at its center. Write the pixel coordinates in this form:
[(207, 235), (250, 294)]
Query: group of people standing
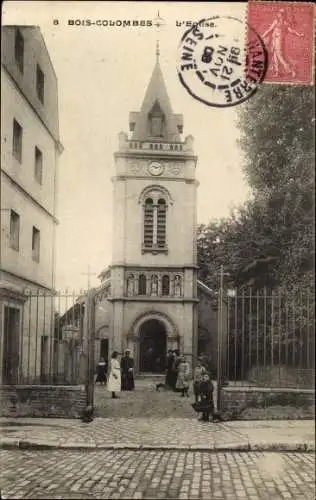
[(121, 373), (120, 377), (178, 376)]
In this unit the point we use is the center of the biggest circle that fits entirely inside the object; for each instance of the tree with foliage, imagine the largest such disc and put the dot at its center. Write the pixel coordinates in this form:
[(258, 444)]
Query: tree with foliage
[(277, 137), (270, 236), (269, 241)]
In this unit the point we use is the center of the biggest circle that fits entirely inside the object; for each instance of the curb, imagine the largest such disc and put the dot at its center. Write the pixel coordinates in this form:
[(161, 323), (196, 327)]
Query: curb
[(238, 447)]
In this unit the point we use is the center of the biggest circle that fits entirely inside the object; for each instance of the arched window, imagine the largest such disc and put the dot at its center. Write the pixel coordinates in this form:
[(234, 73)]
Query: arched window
[(165, 289), (142, 285), (148, 223), (155, 201), (161, 223)]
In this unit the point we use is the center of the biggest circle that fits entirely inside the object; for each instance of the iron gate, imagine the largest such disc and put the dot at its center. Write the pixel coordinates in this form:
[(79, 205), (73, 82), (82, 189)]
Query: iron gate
[(266, 338)]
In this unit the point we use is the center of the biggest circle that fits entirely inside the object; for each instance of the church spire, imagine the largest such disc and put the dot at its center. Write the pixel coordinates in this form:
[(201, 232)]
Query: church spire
[(157, 51), (156, 120)]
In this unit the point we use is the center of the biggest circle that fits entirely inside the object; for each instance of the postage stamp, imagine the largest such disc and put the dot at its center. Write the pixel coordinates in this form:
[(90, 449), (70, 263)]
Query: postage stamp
[(214, 64), (287, 32)]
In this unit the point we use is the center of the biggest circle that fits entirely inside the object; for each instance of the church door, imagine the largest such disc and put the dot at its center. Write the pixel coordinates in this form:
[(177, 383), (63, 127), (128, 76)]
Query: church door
[(152, 347)]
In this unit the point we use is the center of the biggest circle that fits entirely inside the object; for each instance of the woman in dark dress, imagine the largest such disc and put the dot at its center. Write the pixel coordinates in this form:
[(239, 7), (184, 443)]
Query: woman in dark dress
[(169, 371), (101, 371), (127, 370), (176, 361)]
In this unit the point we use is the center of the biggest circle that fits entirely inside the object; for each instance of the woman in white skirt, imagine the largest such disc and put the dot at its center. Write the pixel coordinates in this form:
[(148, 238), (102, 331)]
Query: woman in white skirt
[(114, 380)]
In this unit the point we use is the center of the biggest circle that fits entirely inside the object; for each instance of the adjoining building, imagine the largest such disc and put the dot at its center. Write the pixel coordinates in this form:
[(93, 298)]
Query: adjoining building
[(30, 149)]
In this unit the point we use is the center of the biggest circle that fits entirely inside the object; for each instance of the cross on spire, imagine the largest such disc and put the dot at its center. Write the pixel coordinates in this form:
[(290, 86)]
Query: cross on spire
[(89, 274), (158, 23)]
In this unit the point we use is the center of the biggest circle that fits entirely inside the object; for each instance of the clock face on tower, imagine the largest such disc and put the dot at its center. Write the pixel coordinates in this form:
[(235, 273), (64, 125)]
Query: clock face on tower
[(155, 168)]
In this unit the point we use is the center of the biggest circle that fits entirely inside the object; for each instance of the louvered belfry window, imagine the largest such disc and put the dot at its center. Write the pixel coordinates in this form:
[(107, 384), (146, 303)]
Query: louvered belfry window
[(161, 223), (156, 121), (148, 223), (155, 202)]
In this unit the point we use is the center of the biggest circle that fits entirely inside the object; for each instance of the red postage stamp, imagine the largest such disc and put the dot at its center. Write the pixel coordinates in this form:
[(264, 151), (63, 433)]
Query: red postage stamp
[(287, 31)]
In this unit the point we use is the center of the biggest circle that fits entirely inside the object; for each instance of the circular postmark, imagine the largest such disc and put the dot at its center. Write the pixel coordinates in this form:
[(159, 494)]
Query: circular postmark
[(221, 61)]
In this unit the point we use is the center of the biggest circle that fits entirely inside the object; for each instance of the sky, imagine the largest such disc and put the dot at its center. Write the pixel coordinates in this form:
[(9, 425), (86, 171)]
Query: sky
[(103, 73)]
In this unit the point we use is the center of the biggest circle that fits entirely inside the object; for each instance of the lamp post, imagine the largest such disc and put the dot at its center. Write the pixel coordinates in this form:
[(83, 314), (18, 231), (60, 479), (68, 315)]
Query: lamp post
[(91, 340), (220, 333)]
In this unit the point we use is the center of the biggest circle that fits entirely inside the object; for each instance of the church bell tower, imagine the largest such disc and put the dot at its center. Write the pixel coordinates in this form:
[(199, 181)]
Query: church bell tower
[(154, 261)]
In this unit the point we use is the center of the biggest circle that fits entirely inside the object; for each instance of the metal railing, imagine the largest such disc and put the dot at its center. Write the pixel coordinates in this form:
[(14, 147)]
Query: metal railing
[(267, 338), (45, 341)]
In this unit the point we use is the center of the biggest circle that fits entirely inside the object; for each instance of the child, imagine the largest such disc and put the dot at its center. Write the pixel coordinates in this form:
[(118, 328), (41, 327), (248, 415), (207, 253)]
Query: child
[(183, 377), (101, 371), (198, 372), (206, 396)]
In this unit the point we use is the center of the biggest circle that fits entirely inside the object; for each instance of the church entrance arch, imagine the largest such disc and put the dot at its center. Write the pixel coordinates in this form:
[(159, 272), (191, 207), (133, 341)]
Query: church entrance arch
[(151, 335), (152, 346)]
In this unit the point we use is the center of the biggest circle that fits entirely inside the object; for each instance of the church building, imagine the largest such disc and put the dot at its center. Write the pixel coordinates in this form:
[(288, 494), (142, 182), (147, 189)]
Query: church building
[(150, 295)]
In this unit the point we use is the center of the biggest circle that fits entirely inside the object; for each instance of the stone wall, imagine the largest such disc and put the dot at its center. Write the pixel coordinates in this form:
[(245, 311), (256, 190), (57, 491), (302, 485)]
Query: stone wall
[(42, 401), (235, 401)]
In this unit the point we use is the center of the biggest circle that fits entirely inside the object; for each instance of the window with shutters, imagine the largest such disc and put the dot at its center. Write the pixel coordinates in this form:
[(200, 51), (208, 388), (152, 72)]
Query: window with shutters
[(19, 50), (148, 223), (36, 244), (17, 141), (14, 230), (155, 201), (38, 170), (161, 223), (40, 83)]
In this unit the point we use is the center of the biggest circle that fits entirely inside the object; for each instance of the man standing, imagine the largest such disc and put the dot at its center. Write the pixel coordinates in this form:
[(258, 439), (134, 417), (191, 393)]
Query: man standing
[(127, 369), (176, 358), (169, 372)]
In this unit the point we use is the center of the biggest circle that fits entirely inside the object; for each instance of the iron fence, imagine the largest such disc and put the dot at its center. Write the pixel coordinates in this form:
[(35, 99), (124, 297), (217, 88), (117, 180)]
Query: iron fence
[(268, 338), (45, 341)]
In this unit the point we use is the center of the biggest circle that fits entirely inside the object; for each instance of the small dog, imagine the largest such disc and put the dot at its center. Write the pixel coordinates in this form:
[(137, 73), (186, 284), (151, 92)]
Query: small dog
[(160, 385), (217, 417)]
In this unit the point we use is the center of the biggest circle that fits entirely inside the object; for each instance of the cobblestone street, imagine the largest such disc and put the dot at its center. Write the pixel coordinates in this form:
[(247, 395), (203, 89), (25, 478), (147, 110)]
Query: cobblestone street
[(156, 474)]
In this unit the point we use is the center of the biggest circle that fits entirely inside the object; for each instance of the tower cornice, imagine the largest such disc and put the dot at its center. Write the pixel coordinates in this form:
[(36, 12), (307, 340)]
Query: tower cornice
[(153, 156)]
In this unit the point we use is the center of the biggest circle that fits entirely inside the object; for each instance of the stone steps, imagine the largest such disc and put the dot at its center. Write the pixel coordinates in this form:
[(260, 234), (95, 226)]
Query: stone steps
[(159, 377)]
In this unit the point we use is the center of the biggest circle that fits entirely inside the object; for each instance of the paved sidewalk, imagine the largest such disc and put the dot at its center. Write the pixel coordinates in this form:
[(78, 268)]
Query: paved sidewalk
[(157, 433)]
